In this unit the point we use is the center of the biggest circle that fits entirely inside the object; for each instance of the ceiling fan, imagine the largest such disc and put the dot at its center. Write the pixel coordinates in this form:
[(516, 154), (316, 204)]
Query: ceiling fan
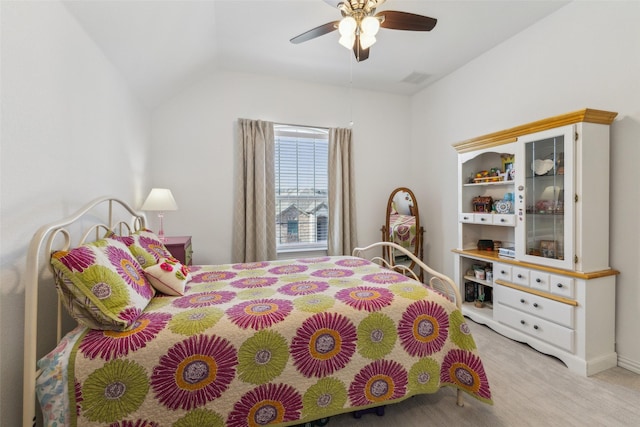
[(360, 24)]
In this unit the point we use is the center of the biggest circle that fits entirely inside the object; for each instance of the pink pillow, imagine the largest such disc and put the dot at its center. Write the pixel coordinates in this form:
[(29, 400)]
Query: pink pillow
[(168, 276)]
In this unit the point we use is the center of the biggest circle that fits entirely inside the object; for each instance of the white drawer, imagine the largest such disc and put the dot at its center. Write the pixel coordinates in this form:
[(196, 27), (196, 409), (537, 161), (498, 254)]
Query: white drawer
[(466, 217), (539, 280), (561, 285), (539, 328), (520, 276), (502, 272), (504, 219), (482, 218), (554, 311)]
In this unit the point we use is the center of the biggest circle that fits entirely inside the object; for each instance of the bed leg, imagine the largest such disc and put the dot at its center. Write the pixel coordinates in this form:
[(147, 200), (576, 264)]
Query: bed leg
[(459, 400)]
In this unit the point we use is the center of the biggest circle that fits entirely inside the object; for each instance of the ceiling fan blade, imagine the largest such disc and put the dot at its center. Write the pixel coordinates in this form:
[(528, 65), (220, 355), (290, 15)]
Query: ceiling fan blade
[(361, 54), (315, 32), (395, 20)]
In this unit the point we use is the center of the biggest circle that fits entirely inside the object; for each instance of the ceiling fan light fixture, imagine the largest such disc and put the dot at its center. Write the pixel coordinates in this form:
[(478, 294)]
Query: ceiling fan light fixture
[(347, 26), (366, 41), (347, 40), (370, 26)]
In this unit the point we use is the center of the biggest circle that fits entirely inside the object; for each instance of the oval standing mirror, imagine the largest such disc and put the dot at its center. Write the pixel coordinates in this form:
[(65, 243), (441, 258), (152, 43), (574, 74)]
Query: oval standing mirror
[(402, 226)]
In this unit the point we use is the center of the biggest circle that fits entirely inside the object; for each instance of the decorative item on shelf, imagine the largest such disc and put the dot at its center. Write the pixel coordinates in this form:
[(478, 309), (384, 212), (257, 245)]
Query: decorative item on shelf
[(482, 204), (469, 291), (548, 248), (542, 166), (507, 166), (508, 252), (503, 206), (491, 175), (480, 301), (160, 200), (485, 245), (497, 244)]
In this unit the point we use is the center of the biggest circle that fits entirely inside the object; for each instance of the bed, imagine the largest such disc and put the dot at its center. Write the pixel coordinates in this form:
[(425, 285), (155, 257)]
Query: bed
[(266, 343)]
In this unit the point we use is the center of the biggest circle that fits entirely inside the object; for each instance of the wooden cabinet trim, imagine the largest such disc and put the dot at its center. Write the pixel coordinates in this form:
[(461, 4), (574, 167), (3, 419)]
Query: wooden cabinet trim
[(587, 115), (537, 292), (493, 257)]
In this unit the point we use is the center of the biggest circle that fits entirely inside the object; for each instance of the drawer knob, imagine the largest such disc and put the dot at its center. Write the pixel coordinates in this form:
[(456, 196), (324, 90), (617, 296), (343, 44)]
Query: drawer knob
[(519, 276), (466, 217), (522, 322), (538, 280), (535, 327), (522, 300), (559, 285), (503, 272), (535, 304), (482, 219), (503, 220)]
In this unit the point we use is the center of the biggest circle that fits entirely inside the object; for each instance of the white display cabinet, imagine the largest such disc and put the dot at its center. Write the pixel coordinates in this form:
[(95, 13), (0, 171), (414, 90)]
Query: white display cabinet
[(542, 190)]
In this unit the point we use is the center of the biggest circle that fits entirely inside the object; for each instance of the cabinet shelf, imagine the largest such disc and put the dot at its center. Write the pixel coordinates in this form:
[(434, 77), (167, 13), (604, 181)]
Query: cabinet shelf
[(480, 281), (477, 313), (546, 213), (487, 184)]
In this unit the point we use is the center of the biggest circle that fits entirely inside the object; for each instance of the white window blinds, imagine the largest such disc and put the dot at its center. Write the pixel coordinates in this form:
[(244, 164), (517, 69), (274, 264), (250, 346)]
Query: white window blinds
[(302, 185)]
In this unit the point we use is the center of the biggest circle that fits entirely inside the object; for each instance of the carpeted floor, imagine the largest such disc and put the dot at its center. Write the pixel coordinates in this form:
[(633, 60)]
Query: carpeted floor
[(528, 388)]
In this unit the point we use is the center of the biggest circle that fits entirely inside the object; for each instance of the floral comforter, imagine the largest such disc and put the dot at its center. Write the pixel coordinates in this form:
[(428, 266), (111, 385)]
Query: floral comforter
[(281, 342), (402, 230)]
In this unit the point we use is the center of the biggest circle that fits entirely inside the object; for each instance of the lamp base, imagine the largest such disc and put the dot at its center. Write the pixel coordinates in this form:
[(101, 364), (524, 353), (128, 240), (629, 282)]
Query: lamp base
[(161, 231)]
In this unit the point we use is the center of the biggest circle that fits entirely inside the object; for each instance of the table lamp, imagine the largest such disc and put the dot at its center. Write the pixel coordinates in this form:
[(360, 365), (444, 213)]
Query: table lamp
[(160, 200)]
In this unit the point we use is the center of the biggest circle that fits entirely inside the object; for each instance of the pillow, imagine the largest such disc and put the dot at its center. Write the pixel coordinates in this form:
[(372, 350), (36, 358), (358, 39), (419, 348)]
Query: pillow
[(168, 276), (145, 246), (102, 285)]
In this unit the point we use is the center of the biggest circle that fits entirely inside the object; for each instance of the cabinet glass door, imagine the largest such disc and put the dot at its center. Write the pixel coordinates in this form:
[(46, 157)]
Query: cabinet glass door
[(545, 194)]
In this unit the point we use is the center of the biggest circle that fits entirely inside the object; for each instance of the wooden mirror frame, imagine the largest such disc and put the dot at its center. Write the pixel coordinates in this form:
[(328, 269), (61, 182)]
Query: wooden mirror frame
[(415, 212)]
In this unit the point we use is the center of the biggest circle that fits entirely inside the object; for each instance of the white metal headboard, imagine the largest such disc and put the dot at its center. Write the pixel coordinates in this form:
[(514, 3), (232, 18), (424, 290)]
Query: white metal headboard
[(99, 224)]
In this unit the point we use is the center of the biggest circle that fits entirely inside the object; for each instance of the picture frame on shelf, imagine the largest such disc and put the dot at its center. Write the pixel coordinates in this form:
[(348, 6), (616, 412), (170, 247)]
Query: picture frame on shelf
[(507, 166)]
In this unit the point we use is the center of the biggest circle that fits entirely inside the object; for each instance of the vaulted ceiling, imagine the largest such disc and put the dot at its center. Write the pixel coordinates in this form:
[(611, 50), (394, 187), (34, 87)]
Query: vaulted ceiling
[(163, 46)]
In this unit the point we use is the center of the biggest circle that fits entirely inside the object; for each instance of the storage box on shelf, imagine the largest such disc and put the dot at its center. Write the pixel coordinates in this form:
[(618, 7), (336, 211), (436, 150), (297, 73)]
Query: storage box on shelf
[(553, 288)]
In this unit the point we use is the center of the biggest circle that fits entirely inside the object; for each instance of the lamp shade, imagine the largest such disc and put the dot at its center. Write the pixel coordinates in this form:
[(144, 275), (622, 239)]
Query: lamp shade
[(160, 199)]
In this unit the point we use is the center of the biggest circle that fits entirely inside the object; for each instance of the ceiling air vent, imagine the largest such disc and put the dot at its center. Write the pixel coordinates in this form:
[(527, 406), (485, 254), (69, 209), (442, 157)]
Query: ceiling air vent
[(416, 78)]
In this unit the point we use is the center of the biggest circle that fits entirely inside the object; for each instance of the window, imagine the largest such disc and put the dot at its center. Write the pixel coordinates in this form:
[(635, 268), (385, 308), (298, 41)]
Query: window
[(302, 187)]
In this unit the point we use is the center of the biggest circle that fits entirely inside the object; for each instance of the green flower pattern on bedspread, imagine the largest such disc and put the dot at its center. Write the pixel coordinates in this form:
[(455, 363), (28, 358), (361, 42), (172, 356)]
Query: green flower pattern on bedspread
[(275, 343)]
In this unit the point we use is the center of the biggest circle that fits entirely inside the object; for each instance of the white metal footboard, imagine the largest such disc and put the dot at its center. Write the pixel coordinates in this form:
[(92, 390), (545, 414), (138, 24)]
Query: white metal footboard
[(42, 245), (435, 279)]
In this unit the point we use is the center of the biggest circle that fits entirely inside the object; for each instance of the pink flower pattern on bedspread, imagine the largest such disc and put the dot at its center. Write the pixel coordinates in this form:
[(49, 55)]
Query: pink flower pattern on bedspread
[(280, 342)]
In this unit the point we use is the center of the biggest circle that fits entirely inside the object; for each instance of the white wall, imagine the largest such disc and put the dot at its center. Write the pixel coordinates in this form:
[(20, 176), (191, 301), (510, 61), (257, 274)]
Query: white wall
[(70, 132), (586, 55), (194, 137)]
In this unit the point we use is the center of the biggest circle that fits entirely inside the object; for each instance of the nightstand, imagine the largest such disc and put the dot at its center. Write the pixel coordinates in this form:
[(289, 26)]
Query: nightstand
[(180, 248)]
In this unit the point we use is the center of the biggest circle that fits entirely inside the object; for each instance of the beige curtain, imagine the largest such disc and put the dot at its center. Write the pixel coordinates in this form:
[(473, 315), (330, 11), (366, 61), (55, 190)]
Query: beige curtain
[(342, 237), (254, 208)]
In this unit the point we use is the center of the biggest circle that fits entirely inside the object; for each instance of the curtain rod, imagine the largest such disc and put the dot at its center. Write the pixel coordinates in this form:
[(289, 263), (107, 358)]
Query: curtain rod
[(302, 126)]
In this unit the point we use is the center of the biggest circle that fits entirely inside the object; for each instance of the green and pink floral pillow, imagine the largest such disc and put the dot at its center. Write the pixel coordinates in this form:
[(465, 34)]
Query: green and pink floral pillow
[(145, 246), (168, 276), (102, 285)]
